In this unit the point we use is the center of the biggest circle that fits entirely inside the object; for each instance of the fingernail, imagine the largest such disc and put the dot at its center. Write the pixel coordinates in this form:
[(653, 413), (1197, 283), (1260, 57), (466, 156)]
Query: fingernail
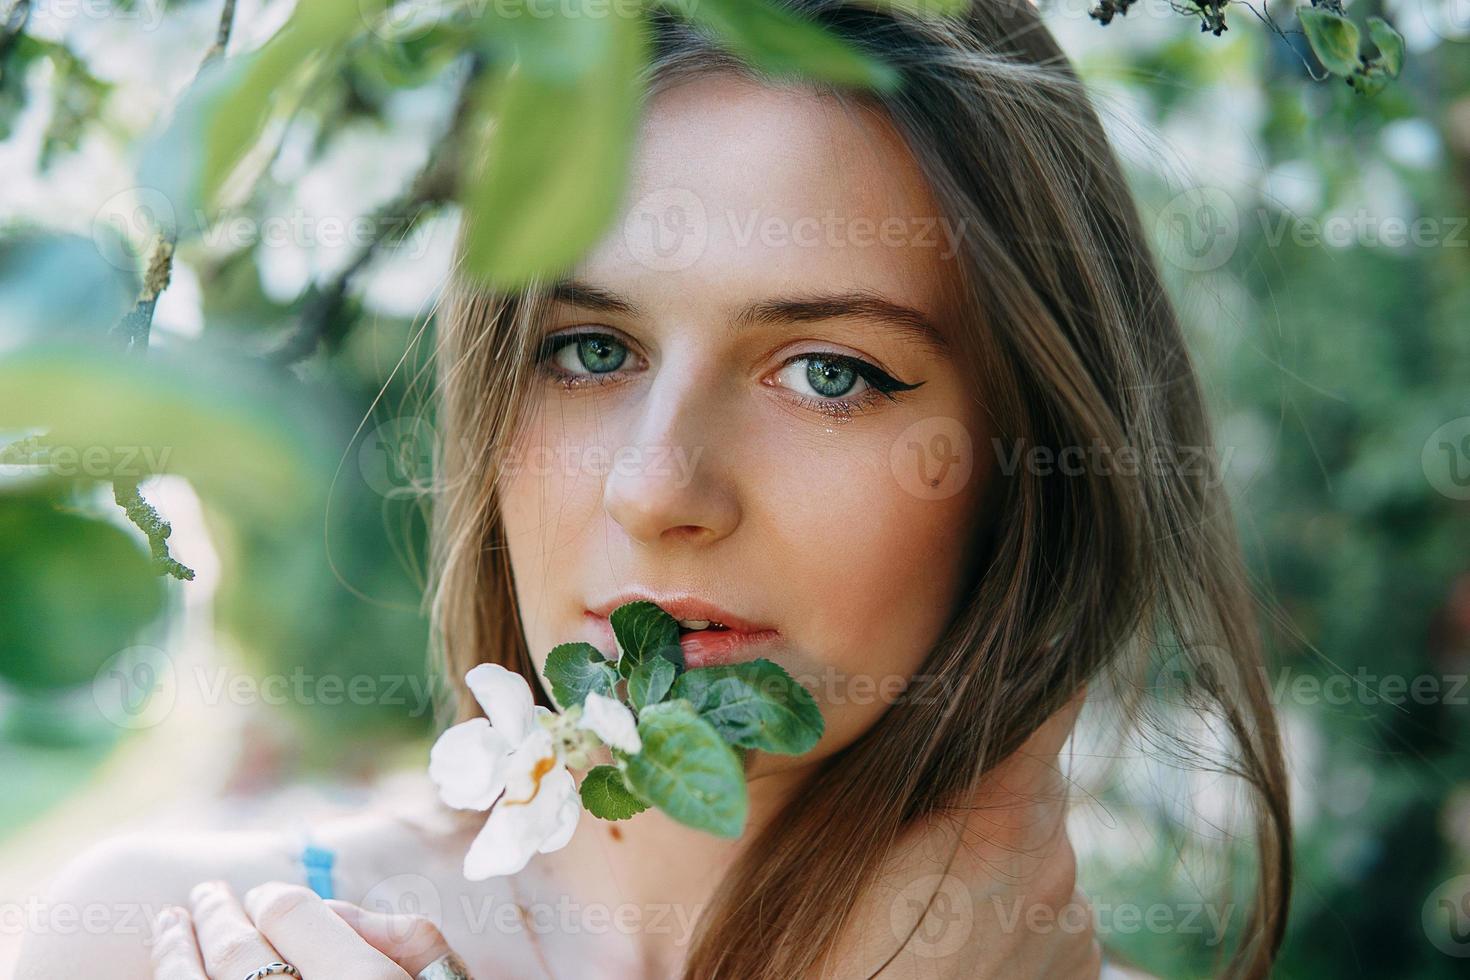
[(202, 889), (167, 917)]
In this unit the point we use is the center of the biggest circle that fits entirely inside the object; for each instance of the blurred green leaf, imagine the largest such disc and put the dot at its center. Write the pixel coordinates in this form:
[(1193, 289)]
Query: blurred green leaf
[(1390, 45), (784, 43), (316, 31), (229, 429), (76, 589), (555, 162), (1334, 39)]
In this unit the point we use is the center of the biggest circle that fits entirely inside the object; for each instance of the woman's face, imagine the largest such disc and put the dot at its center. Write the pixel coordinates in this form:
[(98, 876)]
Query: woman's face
[(726, 436)]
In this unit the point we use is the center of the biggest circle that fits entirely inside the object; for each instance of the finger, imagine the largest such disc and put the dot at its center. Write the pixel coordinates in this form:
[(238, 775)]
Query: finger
[(231, 944), (411, 941), (175, 951), (312, 937)]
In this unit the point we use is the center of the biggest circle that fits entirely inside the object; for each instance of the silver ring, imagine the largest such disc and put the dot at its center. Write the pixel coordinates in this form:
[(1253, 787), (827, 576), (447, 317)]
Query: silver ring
[(446, 967), (275, 969)]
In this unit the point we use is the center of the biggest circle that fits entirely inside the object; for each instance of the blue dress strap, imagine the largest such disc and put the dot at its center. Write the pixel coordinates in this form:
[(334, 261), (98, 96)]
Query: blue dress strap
[(318, 864), (316, 861)]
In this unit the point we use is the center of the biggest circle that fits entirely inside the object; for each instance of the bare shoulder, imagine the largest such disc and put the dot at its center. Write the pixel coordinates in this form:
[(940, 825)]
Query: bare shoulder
[(96, 917)]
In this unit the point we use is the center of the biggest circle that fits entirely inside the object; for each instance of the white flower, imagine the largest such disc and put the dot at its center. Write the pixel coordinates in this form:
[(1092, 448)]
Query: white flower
[(475, 762), (515, 766), (610, 720)]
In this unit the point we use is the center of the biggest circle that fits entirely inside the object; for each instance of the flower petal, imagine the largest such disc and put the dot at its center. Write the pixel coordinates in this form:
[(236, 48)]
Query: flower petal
[(517, 831), (570, 812), (506, 698), (528, 763), (610, 720), (468, 763)]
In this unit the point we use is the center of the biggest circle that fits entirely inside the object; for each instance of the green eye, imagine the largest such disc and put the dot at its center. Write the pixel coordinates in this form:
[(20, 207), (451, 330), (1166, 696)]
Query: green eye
[(601, 354), (830, 378), (581, 354)]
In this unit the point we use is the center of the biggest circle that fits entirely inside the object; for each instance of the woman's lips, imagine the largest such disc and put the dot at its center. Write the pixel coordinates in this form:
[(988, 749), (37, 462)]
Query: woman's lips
[(702, 648), (709, 648)]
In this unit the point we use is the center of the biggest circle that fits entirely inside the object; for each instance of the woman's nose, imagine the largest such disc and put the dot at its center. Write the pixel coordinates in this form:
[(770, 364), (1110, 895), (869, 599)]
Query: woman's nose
[(671, 478)]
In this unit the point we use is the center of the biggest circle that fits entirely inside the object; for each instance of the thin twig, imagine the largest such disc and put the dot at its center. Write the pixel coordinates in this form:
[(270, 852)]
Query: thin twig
[(434, 185), (143, 514), (221, 35)]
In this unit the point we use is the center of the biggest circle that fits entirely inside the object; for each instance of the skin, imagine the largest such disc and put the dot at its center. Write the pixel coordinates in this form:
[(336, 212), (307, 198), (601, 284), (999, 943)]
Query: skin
[(790, 516)]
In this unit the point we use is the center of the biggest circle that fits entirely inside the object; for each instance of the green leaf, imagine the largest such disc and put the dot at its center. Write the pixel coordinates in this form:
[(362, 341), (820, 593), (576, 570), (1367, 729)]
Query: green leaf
[(1334, 39), (643, 630), (650, 681), (605, 795), (755, 705), (688, 771), (1390, 45), (784, 43), (76, 591), (548, 178), (316, 33), (239, 433), (573, 669)]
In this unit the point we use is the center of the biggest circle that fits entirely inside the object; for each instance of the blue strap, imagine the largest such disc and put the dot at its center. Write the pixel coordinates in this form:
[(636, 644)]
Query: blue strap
[(318, 862)]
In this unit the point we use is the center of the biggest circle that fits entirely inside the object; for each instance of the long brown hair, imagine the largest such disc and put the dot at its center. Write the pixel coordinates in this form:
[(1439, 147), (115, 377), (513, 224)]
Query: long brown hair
[(1082, 579)]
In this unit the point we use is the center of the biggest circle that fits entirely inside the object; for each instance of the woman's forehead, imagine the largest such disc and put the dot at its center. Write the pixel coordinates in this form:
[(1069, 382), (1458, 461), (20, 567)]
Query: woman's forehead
[(739, 190)]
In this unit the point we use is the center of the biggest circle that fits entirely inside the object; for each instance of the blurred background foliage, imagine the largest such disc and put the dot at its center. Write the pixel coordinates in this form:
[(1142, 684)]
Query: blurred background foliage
[(202, 313)]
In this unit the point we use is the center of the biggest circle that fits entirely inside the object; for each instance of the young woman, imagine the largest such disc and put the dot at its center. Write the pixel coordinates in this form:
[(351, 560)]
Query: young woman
[(822, 386)]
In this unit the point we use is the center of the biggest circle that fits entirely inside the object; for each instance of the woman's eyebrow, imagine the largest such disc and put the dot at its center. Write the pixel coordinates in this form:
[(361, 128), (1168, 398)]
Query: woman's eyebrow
[(857, 303)]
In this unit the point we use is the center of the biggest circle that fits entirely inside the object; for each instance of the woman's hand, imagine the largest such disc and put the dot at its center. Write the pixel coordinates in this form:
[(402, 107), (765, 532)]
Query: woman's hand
[(221, 938)]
